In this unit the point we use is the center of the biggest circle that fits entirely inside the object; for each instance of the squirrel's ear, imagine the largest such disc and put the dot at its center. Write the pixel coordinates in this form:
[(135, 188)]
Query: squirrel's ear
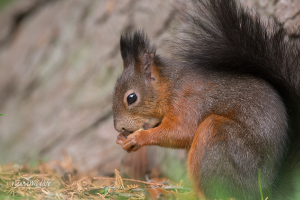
[(126, 49), (136, 49), (144, 64)]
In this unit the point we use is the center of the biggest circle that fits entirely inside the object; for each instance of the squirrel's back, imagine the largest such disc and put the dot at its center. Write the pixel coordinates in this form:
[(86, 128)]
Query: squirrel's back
[(223, 36)]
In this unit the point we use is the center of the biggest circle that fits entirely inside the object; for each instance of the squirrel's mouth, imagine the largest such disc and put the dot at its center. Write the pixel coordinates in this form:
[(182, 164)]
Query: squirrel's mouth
[(146, 126)]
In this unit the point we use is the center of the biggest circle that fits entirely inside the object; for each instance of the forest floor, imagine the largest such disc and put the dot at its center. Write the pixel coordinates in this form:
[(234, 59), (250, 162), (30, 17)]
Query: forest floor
[(41, 181)]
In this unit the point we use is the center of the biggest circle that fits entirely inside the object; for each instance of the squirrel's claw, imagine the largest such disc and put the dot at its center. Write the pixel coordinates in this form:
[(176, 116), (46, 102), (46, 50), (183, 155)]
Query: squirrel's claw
[(120, 139), (132, 142)]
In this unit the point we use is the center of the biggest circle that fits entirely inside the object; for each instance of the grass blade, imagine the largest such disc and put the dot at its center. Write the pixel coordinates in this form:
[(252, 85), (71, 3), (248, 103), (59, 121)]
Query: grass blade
[(259, 184)]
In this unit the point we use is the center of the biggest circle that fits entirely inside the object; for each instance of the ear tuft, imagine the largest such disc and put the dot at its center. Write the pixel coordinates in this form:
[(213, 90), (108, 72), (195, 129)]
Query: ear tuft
[(135, 47)]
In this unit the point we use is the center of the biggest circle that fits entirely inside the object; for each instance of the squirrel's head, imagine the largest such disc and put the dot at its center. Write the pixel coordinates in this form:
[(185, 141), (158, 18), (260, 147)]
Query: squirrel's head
[(139, 95)]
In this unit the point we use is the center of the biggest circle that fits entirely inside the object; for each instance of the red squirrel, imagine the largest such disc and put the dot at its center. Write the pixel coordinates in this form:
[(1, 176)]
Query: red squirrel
[(229, 95)]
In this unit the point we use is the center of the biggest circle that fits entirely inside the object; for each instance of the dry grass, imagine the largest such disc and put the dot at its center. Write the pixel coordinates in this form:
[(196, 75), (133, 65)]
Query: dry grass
[(43, 182)]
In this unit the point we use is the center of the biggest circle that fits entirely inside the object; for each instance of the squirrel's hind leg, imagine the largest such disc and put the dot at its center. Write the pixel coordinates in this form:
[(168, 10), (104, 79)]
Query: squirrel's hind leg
[(224, 160)]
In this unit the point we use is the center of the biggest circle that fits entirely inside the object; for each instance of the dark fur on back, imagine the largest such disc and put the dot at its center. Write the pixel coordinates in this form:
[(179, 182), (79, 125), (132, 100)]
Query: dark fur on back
[(223, 36), (220, 35)]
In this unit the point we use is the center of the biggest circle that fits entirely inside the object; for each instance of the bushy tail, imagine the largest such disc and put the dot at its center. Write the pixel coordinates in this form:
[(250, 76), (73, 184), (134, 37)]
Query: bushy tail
[(220, 35)]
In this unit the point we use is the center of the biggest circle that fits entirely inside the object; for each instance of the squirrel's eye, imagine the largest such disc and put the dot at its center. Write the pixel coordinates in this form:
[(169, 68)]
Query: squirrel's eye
[(131, 98)]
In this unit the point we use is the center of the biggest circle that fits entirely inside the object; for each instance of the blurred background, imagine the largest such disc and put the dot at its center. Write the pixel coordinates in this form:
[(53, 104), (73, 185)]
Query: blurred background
[(59, 60)]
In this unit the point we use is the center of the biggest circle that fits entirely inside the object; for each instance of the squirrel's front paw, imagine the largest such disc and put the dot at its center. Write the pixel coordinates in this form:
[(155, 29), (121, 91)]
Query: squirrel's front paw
[(133, 142)]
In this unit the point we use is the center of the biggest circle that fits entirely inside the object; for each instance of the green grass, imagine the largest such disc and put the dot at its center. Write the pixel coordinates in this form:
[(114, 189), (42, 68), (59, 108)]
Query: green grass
[(259, 184)]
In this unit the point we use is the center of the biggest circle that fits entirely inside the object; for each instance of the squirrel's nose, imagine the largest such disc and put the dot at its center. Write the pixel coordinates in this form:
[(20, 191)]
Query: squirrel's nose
[(118, 127)]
